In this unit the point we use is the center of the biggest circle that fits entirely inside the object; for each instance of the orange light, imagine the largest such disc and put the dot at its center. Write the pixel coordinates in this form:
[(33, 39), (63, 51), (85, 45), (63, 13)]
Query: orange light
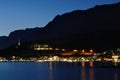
[(83, 64), (56, 48), (91, 51), (75, 50), (50, 48), (91, 63), (83, 51)]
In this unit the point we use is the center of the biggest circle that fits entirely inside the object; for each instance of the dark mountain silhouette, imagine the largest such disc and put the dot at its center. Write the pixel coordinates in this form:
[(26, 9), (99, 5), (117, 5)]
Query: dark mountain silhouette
[(95, 27)]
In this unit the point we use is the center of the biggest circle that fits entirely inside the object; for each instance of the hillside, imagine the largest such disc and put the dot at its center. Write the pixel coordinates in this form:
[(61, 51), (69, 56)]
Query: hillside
[(97, 26)]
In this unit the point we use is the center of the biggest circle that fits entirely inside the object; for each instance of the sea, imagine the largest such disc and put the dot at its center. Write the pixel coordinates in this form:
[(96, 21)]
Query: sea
[(56, 71)]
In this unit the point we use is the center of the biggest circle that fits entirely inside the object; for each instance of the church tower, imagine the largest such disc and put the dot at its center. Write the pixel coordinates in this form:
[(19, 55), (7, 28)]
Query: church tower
[(19, 43)]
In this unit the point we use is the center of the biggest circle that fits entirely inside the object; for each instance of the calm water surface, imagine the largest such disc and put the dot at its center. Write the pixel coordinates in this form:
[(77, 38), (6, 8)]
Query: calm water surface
[(55, 71)]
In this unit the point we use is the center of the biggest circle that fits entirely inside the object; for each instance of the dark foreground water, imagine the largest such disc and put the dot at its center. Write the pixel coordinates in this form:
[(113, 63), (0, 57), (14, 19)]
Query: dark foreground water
[(55, 71)]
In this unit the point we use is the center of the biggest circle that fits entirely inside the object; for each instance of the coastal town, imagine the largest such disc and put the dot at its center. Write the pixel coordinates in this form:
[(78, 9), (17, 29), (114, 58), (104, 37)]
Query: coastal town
[(63, 55)]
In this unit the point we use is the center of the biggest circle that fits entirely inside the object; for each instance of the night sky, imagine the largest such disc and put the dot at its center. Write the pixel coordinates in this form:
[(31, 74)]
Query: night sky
[(21, 14)]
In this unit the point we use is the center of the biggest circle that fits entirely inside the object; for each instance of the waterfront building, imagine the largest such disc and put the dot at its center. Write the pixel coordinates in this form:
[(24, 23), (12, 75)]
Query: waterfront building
[(83, 52), (40, 47)]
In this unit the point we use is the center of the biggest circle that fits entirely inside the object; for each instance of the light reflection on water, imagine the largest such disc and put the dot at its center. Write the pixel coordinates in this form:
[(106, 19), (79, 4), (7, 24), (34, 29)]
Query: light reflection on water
[(91, 75), (115, 75), (85, 75), (55, 71), (51, 73)]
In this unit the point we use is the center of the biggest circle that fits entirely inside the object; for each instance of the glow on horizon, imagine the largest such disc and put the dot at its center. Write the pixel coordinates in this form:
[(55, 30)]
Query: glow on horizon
[(21, 14)]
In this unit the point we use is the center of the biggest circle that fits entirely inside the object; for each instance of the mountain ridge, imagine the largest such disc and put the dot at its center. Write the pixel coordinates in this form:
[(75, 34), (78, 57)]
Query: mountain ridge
[(97, 19)]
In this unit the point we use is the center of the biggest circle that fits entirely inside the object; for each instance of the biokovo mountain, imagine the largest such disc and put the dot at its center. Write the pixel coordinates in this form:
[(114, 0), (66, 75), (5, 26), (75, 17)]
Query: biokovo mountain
[(97, 27)]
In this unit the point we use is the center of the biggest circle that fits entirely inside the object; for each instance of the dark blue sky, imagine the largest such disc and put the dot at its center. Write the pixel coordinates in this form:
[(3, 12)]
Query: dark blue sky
[(21, 14)]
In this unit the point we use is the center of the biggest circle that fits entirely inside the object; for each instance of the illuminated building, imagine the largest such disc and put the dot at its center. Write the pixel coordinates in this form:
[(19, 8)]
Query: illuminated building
[(57, 49), (91, 51), (50, 48), (115, 58), (75, 50), (67, 53), (83, 52), (41, 47), (18, 43), (63, 50)]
